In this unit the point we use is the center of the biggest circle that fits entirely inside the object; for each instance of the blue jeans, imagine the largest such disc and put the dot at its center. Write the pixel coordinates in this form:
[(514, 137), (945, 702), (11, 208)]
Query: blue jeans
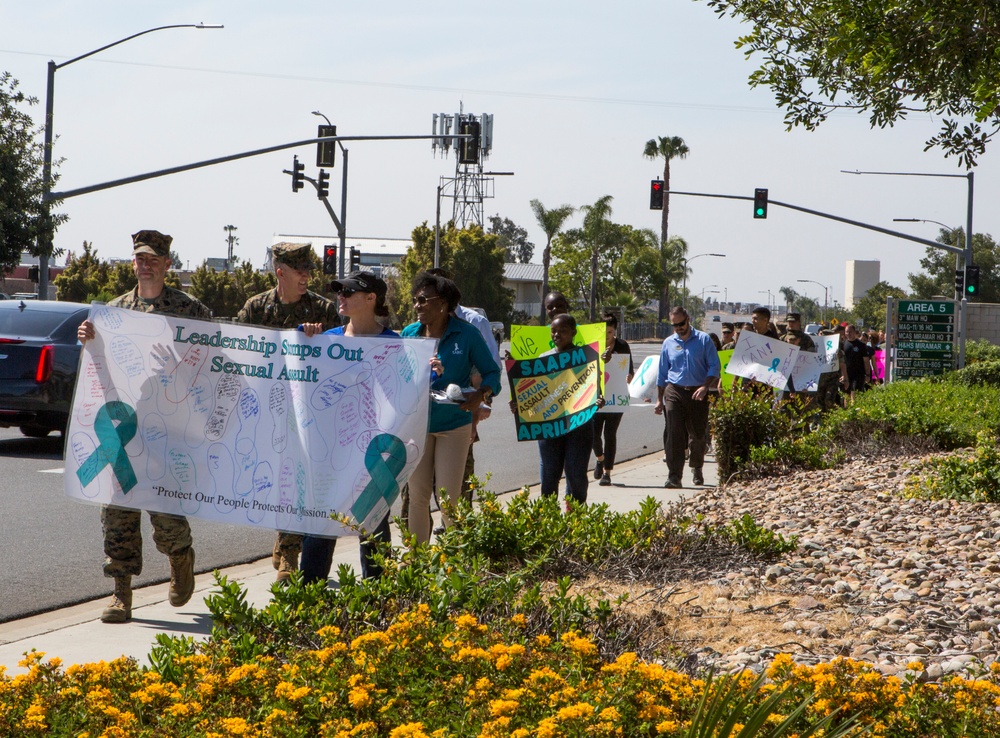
[(569, 454), (317, 554)]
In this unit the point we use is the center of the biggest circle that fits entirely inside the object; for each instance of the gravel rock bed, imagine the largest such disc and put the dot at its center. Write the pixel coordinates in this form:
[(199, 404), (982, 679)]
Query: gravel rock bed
[(876, 577)]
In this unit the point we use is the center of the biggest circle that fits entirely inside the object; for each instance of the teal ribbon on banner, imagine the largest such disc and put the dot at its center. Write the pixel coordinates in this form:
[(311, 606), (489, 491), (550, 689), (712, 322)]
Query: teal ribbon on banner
[(111, 447), (383, 471), (774, 365)]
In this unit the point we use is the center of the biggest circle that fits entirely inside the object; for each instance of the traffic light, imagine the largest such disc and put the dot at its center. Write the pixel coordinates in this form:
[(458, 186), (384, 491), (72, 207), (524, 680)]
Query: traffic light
[(325, 150), (971, 281), (468, 148), (322, 184), (355, 259), (297, 170), (33, 273), (760, 202), (959, 281), (656, 194), (330, 260)]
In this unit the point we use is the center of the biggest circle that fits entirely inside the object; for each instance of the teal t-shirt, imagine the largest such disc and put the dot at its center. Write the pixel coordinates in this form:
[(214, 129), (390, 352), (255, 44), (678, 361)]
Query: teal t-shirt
[(459, 350)]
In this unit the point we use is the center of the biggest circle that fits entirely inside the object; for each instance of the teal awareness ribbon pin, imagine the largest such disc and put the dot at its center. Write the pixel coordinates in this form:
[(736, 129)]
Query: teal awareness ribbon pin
[(111, 449), (383, 470)]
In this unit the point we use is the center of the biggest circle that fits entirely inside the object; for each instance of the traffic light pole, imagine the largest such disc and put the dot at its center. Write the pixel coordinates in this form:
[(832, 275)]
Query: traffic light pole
[(966, 252)]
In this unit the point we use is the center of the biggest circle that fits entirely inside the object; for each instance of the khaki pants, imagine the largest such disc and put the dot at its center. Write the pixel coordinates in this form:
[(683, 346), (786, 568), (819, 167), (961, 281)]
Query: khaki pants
[(443, 465)]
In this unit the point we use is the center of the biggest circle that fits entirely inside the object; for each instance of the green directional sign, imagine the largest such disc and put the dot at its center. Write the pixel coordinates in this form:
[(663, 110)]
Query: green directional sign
[(924, 340)]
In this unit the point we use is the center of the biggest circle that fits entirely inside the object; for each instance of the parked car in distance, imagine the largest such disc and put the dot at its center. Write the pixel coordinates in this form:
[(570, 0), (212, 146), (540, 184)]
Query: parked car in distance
[(39, 356), (813, 329), (716, 319)]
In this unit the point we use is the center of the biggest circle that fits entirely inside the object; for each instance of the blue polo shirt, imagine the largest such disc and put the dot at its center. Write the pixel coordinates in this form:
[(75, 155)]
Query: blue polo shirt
[(460, 349), (688, 363)]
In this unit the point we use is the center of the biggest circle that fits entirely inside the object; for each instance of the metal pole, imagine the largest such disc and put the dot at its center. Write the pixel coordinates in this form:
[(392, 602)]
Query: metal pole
[(45, 247), (437, 232), (964, 305), (343, 215)]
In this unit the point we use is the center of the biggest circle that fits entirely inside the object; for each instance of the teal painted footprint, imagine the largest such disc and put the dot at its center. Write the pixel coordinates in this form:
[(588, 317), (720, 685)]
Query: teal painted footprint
[(154, 439), (278, 405), (248, 413), (222, 473), (199, 407), (263, 486), (183, 472), (82, 447), (127, 322)]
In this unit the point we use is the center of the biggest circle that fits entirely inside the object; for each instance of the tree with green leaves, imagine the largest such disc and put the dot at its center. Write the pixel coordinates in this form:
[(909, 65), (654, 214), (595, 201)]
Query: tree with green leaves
[(551, 222), (513, 238), (23, 223), (225, 293), (668, 148), (475, 260), (883, 57), (807, 307), (597, 242), (938, 275), (870, 309)]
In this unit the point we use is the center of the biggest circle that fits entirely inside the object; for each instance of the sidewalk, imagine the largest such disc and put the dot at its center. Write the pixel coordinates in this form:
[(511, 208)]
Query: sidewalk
[(76, 635)]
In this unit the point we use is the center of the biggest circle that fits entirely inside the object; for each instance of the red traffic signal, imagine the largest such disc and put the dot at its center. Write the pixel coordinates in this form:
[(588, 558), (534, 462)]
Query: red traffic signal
[(330, 260), (656, 194)]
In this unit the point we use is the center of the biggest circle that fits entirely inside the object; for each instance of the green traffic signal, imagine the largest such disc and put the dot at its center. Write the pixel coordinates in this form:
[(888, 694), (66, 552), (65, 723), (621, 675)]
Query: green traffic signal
[(972, 280)]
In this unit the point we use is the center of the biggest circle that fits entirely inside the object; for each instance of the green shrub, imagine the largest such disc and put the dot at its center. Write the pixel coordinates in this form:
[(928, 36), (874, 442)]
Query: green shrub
[(979, 373), (981, 350), (940, 415), (745, 424), (969, 476)]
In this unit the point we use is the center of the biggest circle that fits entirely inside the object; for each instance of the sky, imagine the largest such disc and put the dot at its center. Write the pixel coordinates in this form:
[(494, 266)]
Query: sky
[(575, 88)]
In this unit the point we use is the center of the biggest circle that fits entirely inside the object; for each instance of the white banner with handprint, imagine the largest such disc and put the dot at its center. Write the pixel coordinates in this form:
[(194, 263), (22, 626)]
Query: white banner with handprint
[(245, 425)]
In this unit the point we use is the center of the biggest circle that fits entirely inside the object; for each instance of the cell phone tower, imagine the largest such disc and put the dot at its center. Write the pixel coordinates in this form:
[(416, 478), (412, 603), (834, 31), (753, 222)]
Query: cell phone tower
[(470, 186)]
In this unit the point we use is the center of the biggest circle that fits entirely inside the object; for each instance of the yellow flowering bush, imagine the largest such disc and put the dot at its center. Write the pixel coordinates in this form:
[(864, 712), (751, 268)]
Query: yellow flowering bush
[(422, 677)]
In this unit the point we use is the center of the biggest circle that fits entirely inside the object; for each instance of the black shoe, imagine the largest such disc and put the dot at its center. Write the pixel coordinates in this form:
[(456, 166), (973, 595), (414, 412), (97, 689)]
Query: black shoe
[(605, 480), (672, 483), (698, 478), (439, 530), (599, 470)]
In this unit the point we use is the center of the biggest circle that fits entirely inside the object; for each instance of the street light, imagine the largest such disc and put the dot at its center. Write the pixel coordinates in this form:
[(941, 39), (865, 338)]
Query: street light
[(686, 260), (826, 293), (703, 289), (45, 247), (967, 252), (768, 299), (342, 223)]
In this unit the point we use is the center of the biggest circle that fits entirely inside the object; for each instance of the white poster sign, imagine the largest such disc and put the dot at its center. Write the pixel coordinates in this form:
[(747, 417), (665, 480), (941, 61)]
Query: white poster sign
[(763, 359), (244, 425), (808, 367), (828, 347), (642, 388), (616, 391)]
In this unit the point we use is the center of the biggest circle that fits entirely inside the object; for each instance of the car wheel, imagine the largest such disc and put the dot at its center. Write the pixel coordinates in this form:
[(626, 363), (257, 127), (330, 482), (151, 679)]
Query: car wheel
[(35, 431)]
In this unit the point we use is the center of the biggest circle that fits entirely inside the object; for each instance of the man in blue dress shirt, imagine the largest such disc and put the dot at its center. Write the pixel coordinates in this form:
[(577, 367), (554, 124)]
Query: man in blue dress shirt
[(689, 367)]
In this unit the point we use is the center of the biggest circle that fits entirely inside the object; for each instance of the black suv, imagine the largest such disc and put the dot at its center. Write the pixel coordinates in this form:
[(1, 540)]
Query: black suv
[(39, 356)]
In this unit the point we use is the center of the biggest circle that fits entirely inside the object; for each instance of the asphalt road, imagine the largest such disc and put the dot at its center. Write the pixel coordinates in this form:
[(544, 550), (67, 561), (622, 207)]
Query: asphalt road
[(50, 545)]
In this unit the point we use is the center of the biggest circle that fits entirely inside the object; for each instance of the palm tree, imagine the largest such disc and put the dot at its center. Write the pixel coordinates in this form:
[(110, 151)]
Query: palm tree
[(669, 147), (551, 222)]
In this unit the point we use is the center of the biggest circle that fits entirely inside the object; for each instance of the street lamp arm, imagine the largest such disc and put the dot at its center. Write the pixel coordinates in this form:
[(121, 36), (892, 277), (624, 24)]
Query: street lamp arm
[(136, 35)]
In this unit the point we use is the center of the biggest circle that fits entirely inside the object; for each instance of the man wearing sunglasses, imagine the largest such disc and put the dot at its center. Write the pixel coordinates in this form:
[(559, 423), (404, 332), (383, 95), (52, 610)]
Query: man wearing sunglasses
[(291, 304), (689, 367)]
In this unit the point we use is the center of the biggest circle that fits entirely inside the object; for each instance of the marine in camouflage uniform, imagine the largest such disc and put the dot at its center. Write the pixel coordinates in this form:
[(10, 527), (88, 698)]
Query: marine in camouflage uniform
[(121, 525), (268, 310)]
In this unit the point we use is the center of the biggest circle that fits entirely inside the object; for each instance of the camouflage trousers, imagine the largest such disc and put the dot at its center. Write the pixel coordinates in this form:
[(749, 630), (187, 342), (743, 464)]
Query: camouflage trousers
[(288, 544), (123, 538)]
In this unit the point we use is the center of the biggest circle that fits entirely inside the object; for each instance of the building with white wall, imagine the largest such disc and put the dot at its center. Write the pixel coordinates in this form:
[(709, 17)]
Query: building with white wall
[(861, 277)]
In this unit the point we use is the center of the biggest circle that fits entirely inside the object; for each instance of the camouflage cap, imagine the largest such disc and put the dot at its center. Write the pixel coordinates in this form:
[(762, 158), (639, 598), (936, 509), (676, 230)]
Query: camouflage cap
[(295, 255), (151, 242)]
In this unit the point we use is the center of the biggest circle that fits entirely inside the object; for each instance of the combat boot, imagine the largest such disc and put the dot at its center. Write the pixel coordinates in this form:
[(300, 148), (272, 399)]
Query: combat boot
[(120, 608), (276, 554), (181, 577), (288, 561)]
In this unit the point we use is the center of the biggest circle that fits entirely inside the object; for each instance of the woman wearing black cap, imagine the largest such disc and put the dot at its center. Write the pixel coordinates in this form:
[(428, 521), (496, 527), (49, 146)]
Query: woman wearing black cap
[(360, 299)]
